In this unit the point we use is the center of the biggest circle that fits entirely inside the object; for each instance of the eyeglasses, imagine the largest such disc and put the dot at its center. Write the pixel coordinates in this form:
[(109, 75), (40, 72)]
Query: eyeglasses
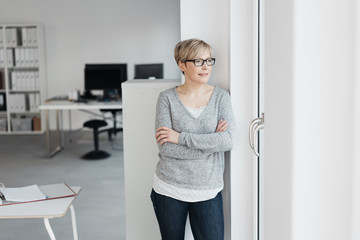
[(199, 62)]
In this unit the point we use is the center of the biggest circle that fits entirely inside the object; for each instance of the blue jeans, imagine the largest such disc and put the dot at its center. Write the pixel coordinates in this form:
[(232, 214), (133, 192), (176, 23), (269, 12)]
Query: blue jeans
[(206, 217)]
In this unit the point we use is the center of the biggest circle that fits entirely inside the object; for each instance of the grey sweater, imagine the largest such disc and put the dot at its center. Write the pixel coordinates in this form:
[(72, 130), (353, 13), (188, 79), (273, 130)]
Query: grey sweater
[(197, 162)]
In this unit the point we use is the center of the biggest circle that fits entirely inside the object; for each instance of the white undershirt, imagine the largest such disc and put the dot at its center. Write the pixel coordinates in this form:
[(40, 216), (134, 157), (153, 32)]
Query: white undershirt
[(183, 194)]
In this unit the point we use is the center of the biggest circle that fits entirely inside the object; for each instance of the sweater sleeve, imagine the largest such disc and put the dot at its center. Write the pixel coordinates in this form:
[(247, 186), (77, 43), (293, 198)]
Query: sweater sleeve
[(163, 118), (213, 142)]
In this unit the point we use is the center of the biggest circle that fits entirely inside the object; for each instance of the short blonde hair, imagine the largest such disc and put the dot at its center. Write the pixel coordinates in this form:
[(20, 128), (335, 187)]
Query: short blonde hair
[(190, 49)]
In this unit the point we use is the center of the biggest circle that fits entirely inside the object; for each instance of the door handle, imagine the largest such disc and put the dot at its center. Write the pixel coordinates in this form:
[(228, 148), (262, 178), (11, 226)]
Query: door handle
[(252, 127), (255, 126), (257, 129)]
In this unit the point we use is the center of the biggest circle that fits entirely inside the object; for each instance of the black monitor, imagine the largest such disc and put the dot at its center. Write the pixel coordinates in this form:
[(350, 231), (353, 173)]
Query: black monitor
[(106, 77), (145, 71)]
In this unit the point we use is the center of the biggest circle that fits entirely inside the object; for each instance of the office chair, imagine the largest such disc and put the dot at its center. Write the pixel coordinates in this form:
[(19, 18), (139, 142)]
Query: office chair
[(114, 130), (96, 154)]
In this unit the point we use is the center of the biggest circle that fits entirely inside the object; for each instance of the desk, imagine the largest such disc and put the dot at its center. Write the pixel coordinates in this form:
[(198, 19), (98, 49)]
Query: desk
[(59, 106), (43, 209)]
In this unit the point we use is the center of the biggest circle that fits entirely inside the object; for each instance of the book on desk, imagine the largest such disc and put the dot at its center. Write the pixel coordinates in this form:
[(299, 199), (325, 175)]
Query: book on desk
[(34, 193)]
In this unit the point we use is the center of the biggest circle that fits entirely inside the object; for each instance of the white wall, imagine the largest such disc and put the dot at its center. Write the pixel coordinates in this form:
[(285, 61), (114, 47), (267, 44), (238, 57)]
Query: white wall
[(209, 21), (324, 78), (310, 80), (88, 31), (228, 26), (356, 172)]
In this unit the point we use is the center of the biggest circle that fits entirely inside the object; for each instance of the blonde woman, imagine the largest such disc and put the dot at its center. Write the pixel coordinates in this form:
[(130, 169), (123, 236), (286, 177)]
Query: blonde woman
[(194, 125)]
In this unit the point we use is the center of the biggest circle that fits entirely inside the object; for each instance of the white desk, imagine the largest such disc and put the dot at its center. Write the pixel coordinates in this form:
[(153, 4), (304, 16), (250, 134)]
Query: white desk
[(59, 106), (43, 209)]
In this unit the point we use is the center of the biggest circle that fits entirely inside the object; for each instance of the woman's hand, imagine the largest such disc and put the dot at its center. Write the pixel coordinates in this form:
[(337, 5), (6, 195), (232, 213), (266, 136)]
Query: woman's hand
[(222, 126), (165, 134)]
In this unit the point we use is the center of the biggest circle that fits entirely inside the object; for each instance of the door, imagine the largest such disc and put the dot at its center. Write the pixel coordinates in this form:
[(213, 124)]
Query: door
[(255, 134)]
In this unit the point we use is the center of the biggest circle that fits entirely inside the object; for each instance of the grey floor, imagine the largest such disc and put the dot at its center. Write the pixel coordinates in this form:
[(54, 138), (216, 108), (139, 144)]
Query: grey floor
[(99, 208)]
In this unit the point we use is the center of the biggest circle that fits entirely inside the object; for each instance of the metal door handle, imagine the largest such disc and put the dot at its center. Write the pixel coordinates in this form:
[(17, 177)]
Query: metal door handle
[(257, 129), (255, 126)]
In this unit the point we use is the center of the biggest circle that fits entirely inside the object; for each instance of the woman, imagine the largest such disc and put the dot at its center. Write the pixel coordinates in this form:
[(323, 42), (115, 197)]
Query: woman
[(194, 124)]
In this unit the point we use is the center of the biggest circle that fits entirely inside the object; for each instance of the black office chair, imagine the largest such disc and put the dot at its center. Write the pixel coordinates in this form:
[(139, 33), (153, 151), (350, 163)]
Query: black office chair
[(96, 154), (114, 130)]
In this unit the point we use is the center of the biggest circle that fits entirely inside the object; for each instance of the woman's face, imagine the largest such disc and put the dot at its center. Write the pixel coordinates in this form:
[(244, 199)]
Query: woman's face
[(197, 74)]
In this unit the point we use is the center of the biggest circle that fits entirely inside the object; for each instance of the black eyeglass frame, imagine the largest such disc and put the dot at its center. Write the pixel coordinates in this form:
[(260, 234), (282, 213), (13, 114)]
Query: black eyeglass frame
[(202, 63)]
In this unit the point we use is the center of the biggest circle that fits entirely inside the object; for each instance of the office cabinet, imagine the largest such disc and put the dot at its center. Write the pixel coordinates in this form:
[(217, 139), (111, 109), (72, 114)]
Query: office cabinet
[(22, 78)]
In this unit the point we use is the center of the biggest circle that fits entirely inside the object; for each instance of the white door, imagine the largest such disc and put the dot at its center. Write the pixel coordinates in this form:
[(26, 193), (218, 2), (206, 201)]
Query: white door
[(255, 134)]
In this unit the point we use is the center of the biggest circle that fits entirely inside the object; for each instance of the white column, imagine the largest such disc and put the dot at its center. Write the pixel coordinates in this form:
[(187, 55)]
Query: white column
[(309, 138), (141, 154), (356, 172)]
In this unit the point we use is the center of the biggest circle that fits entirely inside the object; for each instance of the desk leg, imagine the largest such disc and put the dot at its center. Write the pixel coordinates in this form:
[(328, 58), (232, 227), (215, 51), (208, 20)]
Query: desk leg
[(48, 142), (62, 130), (48, 229), (47, 133), (73, 220), (58, 129), (70, 126)]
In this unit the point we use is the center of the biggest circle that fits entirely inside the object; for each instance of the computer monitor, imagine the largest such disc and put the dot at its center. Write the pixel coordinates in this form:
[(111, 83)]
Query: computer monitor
[(145, 71), (106, 77)]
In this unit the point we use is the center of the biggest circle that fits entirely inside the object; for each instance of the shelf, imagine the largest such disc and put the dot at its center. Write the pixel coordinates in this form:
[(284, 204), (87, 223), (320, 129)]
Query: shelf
[(22, 133), (25, 113), (20, 46), (23, 91), (22, 77), (23, 68)]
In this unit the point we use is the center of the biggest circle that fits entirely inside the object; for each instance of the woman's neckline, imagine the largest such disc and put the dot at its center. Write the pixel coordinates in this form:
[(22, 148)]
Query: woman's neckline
[(187, 110)]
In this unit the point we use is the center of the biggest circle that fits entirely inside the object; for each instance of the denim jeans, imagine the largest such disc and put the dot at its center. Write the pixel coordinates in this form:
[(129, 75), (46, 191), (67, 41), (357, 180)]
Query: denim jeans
[(206, 217)]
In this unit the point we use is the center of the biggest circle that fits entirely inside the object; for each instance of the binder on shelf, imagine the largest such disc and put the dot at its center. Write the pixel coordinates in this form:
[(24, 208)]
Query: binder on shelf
[(2, 58), (24, 36), (17, 102), (22, 57), (10, 57), (33, 36), (48, 192), (36, 57), (8, 37), (37, 101), (36, 123), (13, 79), (32, 106), (34, 102), (11, 37), (1, 38), (17, 57), (22, 102), (2, 79), (2, 102), (24, 80)]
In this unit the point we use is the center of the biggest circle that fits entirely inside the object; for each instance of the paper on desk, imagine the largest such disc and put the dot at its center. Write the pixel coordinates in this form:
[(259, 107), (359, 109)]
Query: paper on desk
[(23, 194)]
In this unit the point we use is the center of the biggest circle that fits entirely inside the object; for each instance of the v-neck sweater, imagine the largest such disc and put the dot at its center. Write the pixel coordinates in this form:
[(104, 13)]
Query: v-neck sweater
[(197, 162)]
